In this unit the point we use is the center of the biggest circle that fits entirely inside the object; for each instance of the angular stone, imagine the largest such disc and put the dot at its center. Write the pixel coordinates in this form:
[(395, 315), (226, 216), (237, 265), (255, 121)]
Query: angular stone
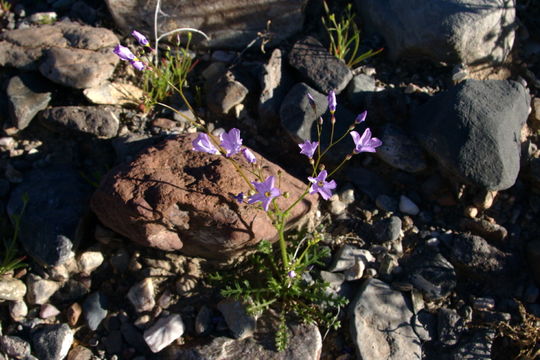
[(319, 68), (229, 23), (95, 309), (27, 96), (238, 320), (473, 131), (164, 332), (226, 93), (11, 289), (78, 68), (346, 256), (96, 120), (431, 273), (274, 85), (380, 324), (40, 290), (141, 295), (52, 342), (455, 31), (172, 197), (14, 346)]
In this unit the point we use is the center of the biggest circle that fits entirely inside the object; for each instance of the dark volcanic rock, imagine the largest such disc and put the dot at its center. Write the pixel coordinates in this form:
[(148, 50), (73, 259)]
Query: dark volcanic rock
[(473, 131), (172, 197), (318, 67), (27, 96)]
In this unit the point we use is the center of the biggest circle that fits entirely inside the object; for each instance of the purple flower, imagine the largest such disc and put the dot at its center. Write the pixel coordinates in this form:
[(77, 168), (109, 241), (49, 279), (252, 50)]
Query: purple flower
[(291, 274), (139, 65), (365, 143), (361, 117), (239, 198), (311, 101), (203, 143), (308, 148), (265, 192), (231, 141), (320, 185), (332, 103), (140, 38), (250, 158), (123, 53)]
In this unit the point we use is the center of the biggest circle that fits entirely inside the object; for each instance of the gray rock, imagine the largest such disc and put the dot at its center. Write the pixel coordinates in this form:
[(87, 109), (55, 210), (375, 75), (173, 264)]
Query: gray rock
[(164, 332), (449, 326), (274, 85), (57, 200), (39, 290), (381, 324), (305, 343), (475, 257), (300, 121), (407, 206), (141, 295), (11, 289), (89, 261), (431, 273), (100, 121), (27, 96), (473, 131), (346, 257), (18, 310), (14, 346), (225, 94), (229, 23), (360, 89), (95, 309), (387, 230), (318, 67), (52, 342), (400, 151), (240, 323), (455, 31)]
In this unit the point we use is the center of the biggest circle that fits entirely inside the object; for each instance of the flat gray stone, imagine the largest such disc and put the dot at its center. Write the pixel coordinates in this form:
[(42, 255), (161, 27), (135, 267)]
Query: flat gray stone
[(380, 324), (100, 121), (238, 320)]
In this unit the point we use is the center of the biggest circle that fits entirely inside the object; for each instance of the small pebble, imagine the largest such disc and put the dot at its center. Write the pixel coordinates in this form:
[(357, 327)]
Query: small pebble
[(141, 295), (73, 313), (407, 206), (164, 332), (47, 311), (471, 212), (18, 310), (90, 261)]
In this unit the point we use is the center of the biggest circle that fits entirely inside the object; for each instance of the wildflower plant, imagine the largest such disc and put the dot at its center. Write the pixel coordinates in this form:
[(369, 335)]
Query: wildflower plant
[(281, 278), (344, 37)]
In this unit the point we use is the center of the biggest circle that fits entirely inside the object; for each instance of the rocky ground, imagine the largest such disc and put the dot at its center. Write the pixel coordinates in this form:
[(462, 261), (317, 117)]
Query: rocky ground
[(433, 238)]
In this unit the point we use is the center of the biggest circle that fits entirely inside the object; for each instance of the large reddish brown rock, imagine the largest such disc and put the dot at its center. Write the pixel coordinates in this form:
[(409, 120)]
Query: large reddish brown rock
[(173, 198)]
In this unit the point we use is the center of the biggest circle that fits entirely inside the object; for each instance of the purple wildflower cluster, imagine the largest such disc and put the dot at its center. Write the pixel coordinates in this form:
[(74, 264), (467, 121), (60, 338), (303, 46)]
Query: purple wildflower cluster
[(231, 144), (126, 55)]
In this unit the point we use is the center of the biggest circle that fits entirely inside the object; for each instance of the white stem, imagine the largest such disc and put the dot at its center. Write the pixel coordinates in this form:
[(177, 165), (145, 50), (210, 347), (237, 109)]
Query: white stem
[(183, 30), (156, 39)]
